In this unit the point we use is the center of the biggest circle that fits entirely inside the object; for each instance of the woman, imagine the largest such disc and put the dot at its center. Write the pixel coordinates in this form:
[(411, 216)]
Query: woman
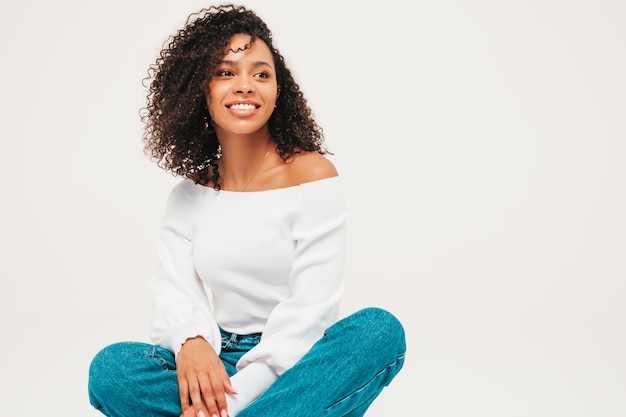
[(251, 248)]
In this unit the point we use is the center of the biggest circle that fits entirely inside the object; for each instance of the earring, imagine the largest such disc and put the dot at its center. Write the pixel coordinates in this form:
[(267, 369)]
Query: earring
[(209, 129)]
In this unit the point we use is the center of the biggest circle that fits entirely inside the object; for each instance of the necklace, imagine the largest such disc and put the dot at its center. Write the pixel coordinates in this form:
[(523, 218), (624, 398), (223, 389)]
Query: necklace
[(255, 172)]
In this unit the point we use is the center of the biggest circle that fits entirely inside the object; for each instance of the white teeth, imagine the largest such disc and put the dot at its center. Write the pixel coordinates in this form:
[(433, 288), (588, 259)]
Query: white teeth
[(242, 106)]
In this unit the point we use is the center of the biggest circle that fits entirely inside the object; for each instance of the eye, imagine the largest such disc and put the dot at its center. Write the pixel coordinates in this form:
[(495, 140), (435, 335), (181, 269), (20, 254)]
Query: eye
[(263, 75), (224, 73)]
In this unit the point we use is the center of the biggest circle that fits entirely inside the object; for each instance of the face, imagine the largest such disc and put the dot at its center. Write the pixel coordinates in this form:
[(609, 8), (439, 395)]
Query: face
[(243, 88)]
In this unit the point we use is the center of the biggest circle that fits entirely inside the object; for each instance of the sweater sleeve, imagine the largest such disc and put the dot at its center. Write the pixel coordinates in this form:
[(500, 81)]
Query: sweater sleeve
[(181, 306), (316, 284)]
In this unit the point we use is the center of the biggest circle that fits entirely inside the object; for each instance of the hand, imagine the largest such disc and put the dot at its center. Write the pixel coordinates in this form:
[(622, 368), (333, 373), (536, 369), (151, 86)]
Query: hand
[(192, 413), (202, 379)]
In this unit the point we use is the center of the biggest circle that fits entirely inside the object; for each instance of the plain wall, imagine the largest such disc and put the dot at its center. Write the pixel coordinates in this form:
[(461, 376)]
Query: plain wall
[(482, 149)]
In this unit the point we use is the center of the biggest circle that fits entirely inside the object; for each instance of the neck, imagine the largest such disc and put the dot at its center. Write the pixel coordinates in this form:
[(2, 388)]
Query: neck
[(242, 159)]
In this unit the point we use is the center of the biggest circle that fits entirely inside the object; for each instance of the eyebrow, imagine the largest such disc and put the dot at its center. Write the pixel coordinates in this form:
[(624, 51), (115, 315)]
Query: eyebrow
[(255, 64)]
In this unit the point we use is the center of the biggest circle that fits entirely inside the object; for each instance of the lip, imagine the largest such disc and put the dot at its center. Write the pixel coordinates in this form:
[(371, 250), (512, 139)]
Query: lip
[(243, 108)]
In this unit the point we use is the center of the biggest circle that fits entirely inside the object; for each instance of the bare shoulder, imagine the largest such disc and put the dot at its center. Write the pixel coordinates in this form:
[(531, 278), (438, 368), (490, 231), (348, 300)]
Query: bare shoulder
[(310, 166)]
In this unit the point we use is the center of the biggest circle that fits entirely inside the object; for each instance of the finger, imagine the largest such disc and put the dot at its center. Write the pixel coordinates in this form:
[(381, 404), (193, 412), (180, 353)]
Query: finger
[(228, 387), (195, 395), (219, 397), (183, 391), (208, 397), (200, 411), (189, 413)]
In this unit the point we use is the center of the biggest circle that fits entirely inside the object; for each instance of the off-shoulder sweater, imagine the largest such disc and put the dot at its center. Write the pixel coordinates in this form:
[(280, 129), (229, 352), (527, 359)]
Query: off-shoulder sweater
[(267, 262)]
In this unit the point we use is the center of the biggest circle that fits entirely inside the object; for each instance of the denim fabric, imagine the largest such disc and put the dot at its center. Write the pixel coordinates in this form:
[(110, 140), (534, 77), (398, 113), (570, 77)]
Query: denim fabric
[(234, 347), (340, 376)]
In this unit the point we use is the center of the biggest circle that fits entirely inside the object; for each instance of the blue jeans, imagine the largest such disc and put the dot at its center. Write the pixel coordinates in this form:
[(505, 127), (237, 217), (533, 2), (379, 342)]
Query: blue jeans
[(340, 376)]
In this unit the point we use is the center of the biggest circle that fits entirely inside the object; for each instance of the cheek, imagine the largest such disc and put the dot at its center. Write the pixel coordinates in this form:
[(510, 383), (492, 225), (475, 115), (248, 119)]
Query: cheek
[(271, 94)]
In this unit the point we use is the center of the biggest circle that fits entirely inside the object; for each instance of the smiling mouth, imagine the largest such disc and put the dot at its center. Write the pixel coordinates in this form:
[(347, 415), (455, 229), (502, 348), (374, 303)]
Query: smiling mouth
[(242, 106)]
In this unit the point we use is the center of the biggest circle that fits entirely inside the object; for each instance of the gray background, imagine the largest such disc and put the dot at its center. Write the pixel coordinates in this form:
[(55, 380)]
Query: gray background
[(481, 145)]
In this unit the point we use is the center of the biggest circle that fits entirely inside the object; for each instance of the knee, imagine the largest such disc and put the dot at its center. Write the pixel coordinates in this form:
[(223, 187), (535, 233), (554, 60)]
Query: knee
[(381, 328), (108, 369), (102, 369), (106, 360)]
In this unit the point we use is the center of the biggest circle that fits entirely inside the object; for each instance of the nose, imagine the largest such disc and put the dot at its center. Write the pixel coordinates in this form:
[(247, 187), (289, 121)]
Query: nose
[(244, 86)]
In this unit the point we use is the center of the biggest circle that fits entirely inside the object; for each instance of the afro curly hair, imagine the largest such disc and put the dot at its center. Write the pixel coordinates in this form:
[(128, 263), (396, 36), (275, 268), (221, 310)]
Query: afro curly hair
[(176, 115)]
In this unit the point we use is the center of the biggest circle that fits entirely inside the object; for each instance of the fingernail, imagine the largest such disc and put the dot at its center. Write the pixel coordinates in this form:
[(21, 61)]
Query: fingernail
[(224, 413), (201, 413), (215, 415)]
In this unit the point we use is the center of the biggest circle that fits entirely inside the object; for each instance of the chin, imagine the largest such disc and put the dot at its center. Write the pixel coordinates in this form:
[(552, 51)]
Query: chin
[(248, 130)]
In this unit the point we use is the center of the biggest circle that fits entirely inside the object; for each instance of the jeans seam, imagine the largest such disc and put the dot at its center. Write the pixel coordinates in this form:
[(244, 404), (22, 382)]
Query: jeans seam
[(358, 390), (151, 354)]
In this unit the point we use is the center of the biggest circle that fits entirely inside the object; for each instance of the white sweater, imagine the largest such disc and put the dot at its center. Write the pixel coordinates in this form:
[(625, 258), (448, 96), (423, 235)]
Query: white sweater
[(266, 262)]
